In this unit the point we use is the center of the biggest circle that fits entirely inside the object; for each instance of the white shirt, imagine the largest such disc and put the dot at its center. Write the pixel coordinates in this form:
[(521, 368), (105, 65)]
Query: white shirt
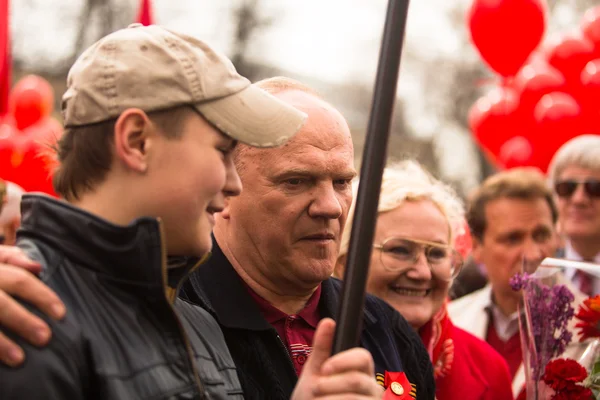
[(505, 326), (571, 254)]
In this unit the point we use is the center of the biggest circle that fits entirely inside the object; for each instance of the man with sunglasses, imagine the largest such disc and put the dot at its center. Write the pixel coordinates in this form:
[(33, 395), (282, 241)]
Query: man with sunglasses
[(575, 176)]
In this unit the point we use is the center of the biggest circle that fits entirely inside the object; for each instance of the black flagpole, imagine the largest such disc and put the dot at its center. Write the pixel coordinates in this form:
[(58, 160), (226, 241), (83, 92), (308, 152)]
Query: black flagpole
[(349, 322)]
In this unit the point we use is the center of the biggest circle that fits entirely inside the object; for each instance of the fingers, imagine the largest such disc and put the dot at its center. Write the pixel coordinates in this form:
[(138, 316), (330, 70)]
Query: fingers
[(356, 359), (20, 283), (15, 256), (10, 354), (322, 342), (349, 383), (14, 317)]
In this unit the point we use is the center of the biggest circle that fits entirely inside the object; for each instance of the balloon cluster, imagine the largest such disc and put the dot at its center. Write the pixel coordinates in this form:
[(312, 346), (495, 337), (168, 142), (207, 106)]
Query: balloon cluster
[(547, 93), (27, 133)]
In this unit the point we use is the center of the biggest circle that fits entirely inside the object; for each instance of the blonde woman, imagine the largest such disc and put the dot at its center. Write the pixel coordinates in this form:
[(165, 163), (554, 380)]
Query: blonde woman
[(412, 267)]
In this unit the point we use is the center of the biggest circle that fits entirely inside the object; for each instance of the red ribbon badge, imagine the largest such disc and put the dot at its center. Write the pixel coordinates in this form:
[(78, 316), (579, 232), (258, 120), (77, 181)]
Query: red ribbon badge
[(398, 387)]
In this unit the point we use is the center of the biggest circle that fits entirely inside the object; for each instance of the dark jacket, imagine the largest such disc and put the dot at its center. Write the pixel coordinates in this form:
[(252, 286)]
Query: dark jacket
[(264, 366), (121, 338)]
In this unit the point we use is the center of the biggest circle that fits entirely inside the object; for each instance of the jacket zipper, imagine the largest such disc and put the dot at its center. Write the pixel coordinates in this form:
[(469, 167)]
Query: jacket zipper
[(188, 348), (287, 353)]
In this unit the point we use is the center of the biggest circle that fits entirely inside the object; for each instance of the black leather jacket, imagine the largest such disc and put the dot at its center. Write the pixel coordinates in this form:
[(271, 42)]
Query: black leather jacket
[(122, 337)]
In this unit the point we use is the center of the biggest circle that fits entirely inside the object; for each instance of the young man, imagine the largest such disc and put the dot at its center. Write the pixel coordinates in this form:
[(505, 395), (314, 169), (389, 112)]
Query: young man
[(151, 119)]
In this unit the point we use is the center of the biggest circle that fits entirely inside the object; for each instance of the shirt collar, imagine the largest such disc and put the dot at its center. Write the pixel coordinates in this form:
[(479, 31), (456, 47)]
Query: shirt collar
[(310, 312), (505, 326)]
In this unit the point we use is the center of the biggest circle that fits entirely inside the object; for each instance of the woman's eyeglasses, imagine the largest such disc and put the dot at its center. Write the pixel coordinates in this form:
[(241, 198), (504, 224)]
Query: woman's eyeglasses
[(566, 188), (399, 253)]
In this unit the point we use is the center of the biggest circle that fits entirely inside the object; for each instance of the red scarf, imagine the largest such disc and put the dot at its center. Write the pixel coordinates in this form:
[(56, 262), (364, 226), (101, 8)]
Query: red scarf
[(436, 336)]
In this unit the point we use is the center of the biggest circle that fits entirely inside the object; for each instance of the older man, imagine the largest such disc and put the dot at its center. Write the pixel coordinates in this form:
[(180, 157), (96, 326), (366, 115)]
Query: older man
[(575, 176), (512, 218), (268, 282)]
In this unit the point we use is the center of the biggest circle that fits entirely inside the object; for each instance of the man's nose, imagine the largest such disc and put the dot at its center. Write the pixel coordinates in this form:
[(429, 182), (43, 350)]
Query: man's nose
[(579, 196), (534, 253), (326, 203)]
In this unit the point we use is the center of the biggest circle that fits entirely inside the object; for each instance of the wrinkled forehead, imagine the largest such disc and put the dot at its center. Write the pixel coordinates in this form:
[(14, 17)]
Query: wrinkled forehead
[(317, 151), (508, 214)]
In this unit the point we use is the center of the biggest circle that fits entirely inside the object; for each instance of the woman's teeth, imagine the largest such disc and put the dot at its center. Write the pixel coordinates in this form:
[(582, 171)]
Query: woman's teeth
[(412, 292)]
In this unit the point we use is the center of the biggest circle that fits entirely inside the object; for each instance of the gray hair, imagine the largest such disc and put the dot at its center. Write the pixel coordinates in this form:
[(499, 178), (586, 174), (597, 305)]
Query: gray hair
[(409, 181), (582, 151)]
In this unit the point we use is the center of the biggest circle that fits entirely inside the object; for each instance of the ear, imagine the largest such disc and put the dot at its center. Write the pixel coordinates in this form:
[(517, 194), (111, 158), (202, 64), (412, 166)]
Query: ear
[(132, 132), (477, 251)]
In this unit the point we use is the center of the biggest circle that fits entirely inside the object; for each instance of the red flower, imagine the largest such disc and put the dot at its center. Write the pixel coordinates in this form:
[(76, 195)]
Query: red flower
[(589, 314), (561, 374), (574, 392)]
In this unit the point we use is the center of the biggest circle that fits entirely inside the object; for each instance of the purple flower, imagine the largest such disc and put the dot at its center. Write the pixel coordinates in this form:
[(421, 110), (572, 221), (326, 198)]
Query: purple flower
[(549, 311), (519, 281)]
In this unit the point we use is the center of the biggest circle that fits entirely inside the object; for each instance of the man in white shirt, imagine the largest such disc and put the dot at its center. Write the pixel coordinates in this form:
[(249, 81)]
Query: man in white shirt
[(575, 177), (512, 217)]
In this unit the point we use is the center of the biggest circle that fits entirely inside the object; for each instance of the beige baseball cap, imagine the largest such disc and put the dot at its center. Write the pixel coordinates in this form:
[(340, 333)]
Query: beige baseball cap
[(152, 68)]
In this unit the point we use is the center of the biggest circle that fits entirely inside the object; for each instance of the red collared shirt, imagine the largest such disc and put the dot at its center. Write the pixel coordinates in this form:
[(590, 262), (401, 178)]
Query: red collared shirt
[(296, 331)]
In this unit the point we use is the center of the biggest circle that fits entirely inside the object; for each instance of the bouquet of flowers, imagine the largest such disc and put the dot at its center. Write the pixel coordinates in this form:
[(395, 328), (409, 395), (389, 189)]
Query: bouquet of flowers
[(560, 333)]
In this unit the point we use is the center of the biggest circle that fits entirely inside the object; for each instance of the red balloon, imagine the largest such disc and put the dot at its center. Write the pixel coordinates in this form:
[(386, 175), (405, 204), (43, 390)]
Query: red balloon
[(590, 26), (558, 118), (569, 54), (516, 152), (505, 32), (31, 100), (493, 118), (463, 243), (590, 95), (535, 80), (26, 157)]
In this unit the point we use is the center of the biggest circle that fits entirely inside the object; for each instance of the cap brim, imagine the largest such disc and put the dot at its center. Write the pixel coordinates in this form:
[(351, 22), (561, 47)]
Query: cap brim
[(254, 117)]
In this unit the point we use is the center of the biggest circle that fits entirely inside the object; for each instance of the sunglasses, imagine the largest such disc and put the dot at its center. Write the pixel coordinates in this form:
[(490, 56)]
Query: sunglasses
[(566, 188)]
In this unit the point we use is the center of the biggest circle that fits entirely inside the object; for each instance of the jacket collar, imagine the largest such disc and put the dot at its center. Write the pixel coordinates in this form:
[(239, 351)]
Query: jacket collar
[(133, 254), (223, 292)]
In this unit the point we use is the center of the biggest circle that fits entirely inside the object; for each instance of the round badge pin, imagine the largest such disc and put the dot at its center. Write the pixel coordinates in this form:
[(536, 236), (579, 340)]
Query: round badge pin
[(397, 388)]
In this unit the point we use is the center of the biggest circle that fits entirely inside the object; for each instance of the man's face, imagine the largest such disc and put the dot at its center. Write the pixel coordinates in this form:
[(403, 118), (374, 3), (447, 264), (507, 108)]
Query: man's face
[(189, 178), (287, 223), (516, 231), (579, 213)]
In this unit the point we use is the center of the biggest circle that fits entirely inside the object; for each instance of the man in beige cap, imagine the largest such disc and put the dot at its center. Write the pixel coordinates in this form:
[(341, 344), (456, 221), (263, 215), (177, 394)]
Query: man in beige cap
[(151, 119)]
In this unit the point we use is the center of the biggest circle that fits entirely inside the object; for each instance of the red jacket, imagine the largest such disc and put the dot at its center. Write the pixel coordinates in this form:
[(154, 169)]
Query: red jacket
[(478, 372), (466, 368)]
